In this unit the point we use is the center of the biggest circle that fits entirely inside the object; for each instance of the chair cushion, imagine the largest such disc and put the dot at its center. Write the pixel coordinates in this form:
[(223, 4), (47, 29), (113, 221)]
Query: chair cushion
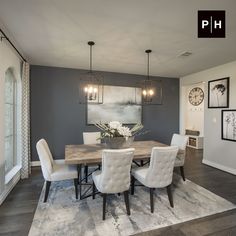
[(140, 173), (62, 171)]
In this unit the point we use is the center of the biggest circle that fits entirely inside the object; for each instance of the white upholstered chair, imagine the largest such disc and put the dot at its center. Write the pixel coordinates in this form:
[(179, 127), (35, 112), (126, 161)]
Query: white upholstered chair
[(159, 173), (90, 138), (54, 170), (115, 175), (180, 141)]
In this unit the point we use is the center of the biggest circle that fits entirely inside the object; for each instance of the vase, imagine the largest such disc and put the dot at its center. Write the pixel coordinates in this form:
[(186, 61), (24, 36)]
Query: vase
[(118, 142)]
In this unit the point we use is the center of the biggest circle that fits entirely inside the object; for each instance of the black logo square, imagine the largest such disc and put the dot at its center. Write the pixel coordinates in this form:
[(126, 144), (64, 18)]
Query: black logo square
[(211, 24)]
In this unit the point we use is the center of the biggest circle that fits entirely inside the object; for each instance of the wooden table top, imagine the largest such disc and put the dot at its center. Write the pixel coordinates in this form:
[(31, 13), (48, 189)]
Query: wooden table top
[(85, 154)]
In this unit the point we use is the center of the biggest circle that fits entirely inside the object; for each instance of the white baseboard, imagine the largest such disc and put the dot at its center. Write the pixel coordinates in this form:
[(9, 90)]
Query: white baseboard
[(219, 166), (10, 186), (35, 163)]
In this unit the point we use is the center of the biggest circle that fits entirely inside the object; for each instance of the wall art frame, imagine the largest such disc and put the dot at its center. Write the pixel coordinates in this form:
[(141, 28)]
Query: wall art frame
[(120, 103), (218, 93), (228, 125)]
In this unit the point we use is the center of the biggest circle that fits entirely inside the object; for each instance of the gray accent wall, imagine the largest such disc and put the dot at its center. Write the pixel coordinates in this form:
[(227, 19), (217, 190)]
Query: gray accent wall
[(57, 116)]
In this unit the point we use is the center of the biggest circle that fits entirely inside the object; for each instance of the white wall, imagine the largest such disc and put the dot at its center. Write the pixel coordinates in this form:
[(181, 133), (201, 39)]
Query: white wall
[(8, 58), (218, 153)]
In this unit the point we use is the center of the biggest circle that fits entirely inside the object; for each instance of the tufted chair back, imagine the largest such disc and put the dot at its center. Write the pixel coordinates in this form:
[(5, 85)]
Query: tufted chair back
[(91, 137), (45, 158), (116, 165), (180, 141), (160, 171)]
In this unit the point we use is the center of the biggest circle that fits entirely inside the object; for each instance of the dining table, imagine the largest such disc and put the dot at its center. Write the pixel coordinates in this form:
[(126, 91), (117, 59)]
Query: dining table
[(90, 154)]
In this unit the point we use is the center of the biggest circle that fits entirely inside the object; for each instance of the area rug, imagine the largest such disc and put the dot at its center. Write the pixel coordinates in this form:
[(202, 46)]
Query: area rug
[(64, 215)]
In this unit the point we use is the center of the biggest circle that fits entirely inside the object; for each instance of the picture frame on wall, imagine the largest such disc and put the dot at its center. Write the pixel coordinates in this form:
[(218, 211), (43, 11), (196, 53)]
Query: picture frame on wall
[(120, 103), (218, 93), (228, 125)]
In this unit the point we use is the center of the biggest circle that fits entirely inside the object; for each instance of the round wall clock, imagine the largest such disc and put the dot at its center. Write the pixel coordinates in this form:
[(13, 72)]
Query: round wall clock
[(196, 96)]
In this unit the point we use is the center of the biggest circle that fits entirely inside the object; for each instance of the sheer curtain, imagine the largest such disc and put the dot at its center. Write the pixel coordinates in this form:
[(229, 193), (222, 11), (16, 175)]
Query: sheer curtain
[(25, 122)]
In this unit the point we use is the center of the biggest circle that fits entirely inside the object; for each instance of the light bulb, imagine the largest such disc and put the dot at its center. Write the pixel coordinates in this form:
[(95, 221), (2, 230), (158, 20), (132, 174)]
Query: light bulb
[(95, 90), (85, 89), (144, 92), (90, 90), (151, 92)]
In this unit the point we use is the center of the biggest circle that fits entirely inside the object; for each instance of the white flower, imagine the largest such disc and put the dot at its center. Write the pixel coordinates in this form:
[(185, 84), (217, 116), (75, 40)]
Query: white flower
[(114, 124), (124, 131)]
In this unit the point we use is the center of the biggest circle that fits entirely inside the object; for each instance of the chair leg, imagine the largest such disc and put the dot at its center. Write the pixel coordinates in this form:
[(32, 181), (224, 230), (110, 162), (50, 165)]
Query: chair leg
[(104, 195), (126, 197), (132, 184), (169, 192), (86, 173), (76, 188), (182, 172), (48, 184), (151, 200), (94, 188)]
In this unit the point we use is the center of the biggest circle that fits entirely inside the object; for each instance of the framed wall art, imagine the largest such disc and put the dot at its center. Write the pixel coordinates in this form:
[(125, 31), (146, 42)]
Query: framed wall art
[(123, 104), (228, 121), (218, 93)]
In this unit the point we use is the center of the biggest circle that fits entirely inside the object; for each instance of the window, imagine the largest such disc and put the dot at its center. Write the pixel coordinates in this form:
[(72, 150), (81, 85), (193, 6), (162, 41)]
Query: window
[(10, 121)]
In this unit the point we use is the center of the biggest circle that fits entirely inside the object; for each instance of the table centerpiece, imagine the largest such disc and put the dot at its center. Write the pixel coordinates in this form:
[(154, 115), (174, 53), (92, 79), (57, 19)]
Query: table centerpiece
[(116, 136)]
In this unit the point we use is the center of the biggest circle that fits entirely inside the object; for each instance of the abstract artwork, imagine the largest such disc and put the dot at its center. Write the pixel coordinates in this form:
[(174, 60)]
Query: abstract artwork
[(218, 93), (121, 104), (229, 125)]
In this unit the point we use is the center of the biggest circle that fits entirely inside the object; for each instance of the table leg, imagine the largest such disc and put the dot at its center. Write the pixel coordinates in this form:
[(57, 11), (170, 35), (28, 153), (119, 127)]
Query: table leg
[(86, 173), (79, 167), (83, 192)]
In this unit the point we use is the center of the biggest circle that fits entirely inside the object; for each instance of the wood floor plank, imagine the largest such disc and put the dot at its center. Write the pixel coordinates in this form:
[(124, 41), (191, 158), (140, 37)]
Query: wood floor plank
[(210, 225), (17, 211), (227, 232), (14, 223)]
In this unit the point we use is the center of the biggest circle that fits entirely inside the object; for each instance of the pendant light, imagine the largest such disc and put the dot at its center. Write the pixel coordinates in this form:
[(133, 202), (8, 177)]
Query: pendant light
[(151, 89), (91, 82), (147, 91)]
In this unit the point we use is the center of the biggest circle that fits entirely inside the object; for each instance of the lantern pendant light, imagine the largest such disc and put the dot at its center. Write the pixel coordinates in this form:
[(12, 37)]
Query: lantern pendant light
[(151, 88), (147, 90), (91, 83), (91, 89)]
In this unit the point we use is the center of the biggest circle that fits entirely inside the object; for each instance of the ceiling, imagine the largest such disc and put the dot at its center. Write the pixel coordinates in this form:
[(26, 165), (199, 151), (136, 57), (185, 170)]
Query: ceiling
[(55, 33)]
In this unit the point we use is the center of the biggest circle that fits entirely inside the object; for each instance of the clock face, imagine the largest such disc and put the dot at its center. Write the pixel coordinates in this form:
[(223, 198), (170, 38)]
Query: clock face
[(196, 96)]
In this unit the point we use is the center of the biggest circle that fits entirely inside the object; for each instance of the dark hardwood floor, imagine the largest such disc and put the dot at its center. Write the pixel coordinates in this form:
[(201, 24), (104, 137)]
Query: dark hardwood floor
[(16, 213)]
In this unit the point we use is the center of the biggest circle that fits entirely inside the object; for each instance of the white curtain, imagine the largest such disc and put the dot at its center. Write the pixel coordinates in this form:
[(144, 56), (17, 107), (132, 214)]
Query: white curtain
[(25, 122)]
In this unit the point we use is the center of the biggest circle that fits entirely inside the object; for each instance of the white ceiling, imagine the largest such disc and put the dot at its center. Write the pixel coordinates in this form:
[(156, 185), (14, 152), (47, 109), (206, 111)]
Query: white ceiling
[(55, 33)]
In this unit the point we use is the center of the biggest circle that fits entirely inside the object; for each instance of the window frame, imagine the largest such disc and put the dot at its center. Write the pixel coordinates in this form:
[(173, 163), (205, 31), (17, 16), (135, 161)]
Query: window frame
[(15, 165)]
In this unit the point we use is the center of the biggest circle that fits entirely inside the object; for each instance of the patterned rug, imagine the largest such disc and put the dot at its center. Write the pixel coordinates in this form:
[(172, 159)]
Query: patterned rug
[(64, 215)]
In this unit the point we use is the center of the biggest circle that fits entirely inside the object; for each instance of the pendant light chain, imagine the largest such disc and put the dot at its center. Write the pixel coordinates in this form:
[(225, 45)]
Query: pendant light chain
[(148, 66), (91, 54)]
